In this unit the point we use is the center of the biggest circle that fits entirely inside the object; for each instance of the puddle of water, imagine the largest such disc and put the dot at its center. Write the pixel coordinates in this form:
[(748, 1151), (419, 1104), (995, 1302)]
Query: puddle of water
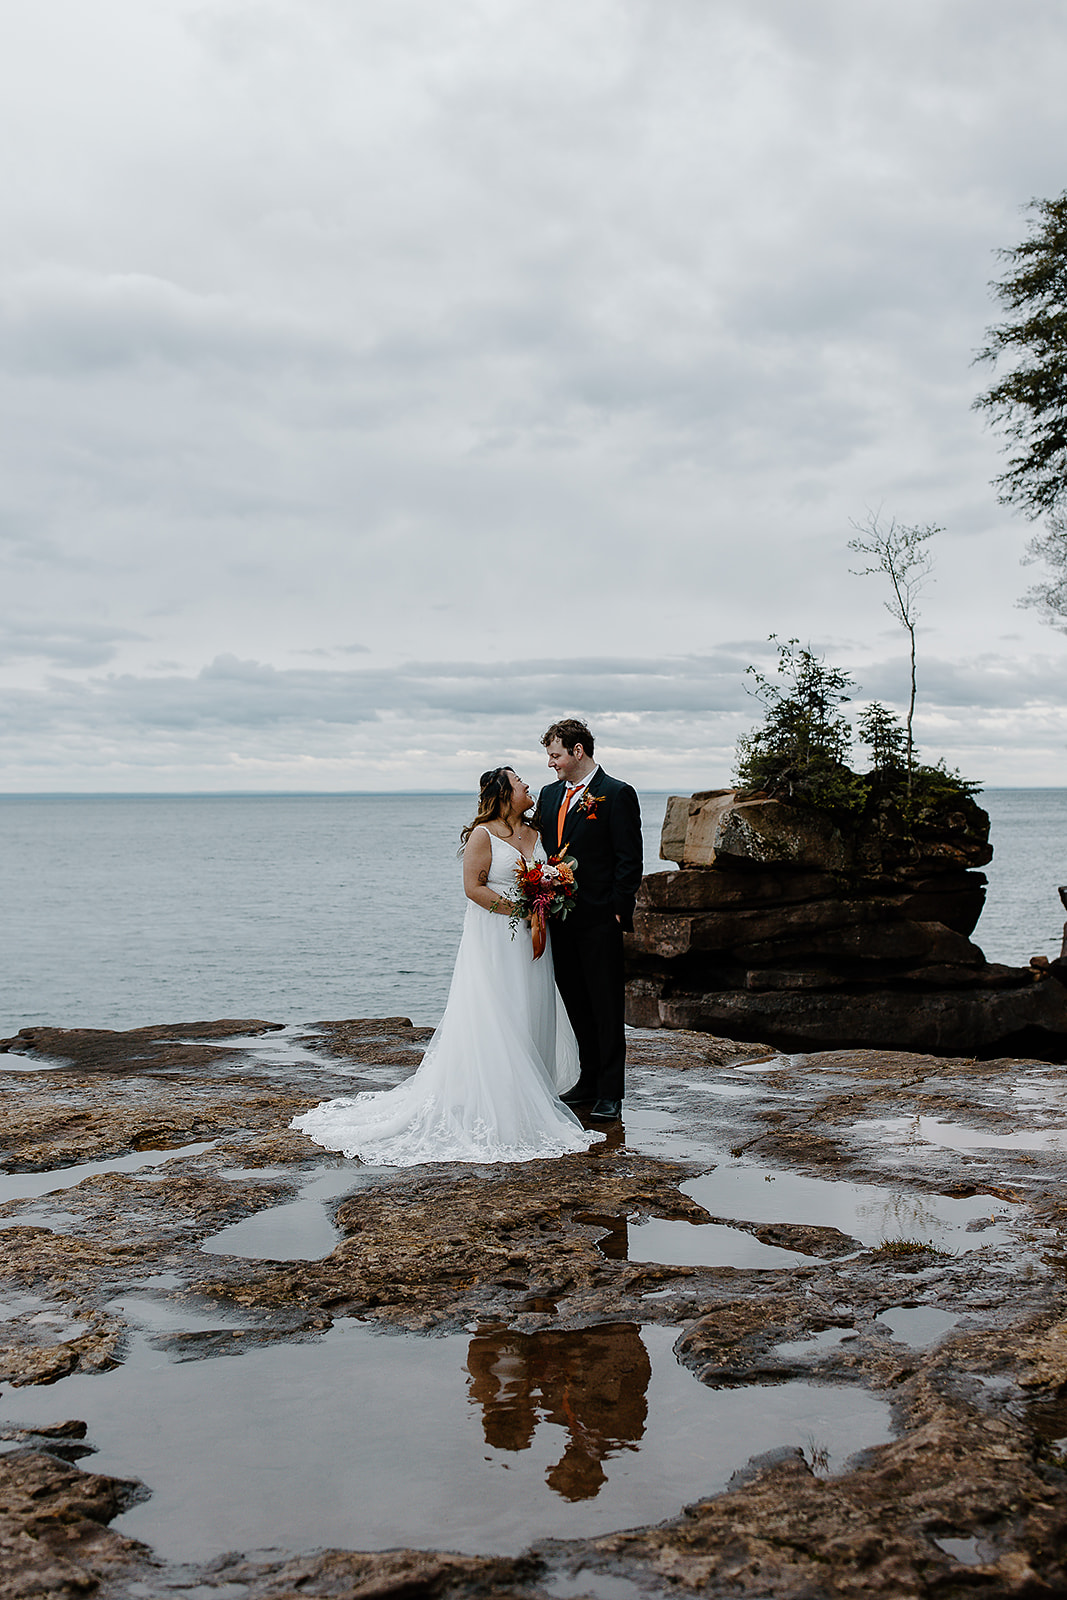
[(1048, 1418), (814, 1344), (965, 1551), (1046, 1091), (297, 1231), (596, 1585), (54, 1221), (17, 1064), (864, 1211), (274, 1053), (59, 1324), (14, 1305), (182, 1589), (955, 1136), (917, 1326), (661, 1131), (160, 1315), (261, 1174), (281, 1047), (31, 1185), (704, 1244), (366, 1440), (733, 1091)]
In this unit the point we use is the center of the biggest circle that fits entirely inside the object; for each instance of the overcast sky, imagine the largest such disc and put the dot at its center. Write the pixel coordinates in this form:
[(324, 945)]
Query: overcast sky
[(381, 379)]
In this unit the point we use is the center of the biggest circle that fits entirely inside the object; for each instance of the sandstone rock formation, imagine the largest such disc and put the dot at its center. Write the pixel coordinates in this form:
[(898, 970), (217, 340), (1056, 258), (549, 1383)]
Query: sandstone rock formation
[(799, 930)]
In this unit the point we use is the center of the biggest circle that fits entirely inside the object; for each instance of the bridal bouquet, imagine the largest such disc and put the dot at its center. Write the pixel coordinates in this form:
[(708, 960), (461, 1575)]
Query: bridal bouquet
[(543, 889)]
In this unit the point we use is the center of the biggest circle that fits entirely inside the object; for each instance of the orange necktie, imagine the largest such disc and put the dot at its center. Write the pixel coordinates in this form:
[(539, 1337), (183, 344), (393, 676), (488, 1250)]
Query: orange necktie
[(564, 808)]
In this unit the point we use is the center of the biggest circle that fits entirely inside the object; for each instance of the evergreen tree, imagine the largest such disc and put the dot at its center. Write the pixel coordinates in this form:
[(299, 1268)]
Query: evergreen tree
[(800, 754), (881, 732), (1030, 402)]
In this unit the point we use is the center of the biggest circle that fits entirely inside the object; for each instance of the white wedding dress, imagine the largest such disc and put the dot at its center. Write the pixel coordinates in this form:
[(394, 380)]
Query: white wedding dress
[(489, 1084)]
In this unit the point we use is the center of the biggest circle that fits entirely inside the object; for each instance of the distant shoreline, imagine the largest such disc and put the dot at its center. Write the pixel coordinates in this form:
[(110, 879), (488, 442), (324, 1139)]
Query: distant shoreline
[(263, 794), (372, 794)]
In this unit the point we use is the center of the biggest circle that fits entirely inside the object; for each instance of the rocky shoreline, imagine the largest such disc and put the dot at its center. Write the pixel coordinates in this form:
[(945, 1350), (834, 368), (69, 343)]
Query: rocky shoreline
[(552, 1269)]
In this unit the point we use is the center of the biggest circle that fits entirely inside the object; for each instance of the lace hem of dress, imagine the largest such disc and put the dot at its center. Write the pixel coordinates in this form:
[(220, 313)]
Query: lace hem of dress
[(444, 1139)]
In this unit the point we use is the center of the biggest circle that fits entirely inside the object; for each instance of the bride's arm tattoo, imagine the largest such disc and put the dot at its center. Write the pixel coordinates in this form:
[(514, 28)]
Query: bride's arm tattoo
[(483, 883)]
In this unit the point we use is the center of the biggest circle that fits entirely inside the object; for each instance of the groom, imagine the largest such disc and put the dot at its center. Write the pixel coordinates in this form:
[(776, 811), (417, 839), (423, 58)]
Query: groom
[(596, 819)]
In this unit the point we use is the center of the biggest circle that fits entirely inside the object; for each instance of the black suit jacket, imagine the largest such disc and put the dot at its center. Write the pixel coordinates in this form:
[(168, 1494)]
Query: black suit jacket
[(604, 836)]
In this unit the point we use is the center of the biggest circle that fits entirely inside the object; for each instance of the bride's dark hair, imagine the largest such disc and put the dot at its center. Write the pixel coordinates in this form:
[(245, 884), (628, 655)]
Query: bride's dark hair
[(494, 797)]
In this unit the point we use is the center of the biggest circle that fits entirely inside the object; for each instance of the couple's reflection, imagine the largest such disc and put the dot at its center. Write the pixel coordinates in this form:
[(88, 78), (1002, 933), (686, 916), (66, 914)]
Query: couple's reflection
[(591, 1382)]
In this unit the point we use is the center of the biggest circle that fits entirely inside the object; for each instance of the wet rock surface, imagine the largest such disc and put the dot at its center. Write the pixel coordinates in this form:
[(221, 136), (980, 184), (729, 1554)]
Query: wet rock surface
[(896, 1225)]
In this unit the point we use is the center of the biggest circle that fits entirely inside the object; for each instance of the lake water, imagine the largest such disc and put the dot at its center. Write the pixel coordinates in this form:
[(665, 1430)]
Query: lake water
[(116, 911)]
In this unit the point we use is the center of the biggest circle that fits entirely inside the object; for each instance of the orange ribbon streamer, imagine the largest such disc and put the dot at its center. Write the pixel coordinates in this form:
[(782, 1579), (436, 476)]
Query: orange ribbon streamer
[(540, 933)]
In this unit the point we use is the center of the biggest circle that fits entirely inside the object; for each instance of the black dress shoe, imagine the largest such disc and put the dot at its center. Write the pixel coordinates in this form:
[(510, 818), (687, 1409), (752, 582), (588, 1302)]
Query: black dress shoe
[(577, 1097), (607, 1111)]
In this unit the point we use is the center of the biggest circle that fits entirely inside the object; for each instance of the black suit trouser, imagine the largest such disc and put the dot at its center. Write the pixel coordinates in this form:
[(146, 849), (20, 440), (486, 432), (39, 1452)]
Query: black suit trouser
[(589, 975)]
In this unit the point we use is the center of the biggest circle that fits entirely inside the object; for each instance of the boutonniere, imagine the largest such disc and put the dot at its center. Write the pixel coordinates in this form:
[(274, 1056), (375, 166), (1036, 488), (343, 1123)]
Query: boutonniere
[(588, 803)]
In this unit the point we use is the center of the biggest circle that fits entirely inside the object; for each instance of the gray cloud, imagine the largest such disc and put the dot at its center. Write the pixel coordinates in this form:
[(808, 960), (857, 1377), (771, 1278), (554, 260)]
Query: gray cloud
[(77, 644), (241, 717), (544, 348)]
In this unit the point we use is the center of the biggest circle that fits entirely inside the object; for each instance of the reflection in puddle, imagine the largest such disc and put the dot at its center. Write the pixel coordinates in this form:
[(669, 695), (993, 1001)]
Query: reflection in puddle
[(865, 1211), (968, 1552), (592, 1383), (750, 1193), (615, 1243), (370, 1441), (746, 1192), (1048, 1418), (706, 1244), (917, 1326), (161, 1315), (30, 1185), (955, 1136), (812, 1345)]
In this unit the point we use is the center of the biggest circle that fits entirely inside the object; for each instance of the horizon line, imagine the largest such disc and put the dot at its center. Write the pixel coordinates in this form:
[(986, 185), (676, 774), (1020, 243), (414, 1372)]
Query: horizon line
[(355, 794)]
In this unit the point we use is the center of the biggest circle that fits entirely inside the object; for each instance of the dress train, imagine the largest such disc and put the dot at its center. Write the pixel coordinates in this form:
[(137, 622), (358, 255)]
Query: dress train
[(489, 1084)]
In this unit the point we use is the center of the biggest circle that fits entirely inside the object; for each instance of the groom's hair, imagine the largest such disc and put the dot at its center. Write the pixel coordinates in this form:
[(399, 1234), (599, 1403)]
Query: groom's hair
[(569, 732)]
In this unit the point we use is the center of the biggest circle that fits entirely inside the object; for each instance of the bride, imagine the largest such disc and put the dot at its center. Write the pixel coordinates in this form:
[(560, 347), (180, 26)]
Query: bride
[(489, 1084)]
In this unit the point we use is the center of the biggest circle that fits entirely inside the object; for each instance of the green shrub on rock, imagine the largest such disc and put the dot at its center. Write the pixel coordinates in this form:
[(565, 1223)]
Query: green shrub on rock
[(800, 753)]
